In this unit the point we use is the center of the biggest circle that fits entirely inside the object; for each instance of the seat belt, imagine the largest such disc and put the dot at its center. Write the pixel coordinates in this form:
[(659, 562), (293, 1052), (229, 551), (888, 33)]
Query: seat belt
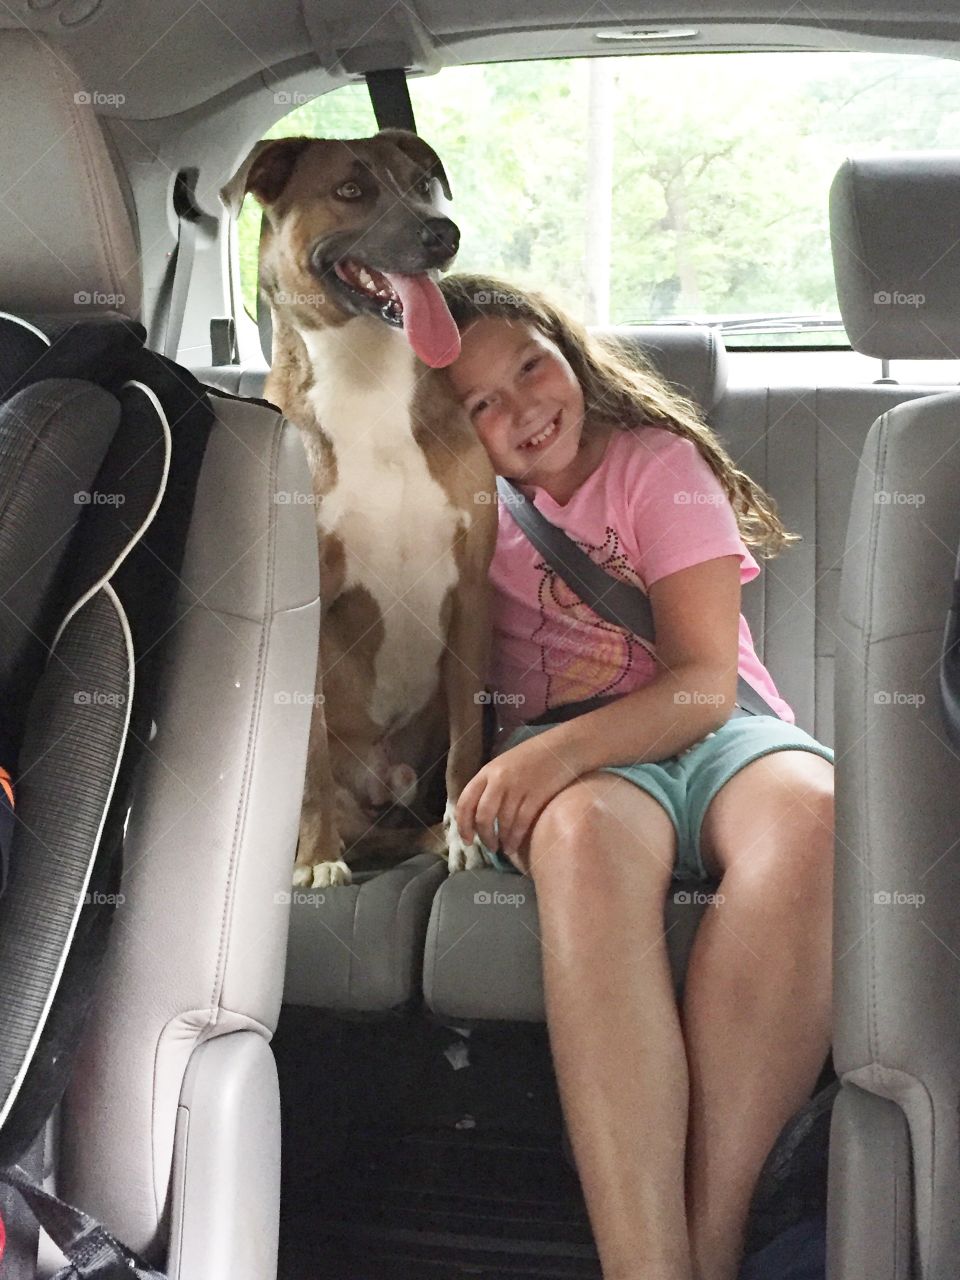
[(171, 303), (93, 1253), (613, 599), (390, 99), (182, 262)]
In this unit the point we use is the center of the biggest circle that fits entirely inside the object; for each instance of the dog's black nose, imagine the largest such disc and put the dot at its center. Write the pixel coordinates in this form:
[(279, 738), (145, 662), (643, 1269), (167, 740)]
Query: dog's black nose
[(441, 237)]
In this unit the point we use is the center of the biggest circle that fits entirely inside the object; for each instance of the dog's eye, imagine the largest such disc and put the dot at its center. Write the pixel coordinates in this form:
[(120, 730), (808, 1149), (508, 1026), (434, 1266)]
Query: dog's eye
[(349, 191), (423, 186)]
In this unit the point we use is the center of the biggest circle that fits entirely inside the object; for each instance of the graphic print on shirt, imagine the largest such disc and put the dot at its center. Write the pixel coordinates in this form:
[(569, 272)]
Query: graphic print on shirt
[(582, 654)]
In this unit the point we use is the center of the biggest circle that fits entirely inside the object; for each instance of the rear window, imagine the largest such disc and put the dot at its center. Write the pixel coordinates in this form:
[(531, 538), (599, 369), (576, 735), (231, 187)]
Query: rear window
[(655, 188)]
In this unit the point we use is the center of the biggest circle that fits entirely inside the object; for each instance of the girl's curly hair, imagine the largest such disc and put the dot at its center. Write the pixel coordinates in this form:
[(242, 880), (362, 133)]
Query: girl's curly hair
[(623, 389)]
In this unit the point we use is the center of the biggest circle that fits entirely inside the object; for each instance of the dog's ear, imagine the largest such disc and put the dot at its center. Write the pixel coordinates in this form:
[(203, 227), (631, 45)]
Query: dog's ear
[(264, 173), (412, 145)]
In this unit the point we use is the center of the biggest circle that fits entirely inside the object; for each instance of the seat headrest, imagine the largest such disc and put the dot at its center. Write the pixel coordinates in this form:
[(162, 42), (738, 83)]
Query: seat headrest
[(67, 246), (693, 359), (896, 256)]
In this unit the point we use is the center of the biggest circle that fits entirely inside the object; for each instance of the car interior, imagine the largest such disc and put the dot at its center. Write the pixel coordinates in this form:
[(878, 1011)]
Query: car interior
[(357, 1083)]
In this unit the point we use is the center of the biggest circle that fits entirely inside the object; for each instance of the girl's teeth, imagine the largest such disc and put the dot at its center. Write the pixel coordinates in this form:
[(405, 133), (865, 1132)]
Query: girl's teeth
[(544, 435)]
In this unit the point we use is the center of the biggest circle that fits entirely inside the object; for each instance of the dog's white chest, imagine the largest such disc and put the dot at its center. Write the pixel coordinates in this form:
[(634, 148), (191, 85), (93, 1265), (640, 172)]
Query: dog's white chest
[(395, 522)]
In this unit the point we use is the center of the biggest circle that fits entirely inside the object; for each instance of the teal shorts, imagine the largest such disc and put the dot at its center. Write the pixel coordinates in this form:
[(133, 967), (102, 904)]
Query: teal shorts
[(686, 783)]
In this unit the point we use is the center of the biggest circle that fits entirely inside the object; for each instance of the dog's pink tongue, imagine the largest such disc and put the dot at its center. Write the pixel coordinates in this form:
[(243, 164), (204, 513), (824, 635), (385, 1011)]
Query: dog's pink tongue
[(429, 326)]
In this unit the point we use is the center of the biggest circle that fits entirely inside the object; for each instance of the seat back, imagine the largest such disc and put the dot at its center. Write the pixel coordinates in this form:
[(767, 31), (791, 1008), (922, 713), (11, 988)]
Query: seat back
[(170, 1128), (800, 443), (197, 952), (895, 1146)]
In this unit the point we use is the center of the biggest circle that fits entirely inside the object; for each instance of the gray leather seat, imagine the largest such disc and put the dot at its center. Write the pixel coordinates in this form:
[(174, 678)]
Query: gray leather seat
[(895, 1136), (802, 444), (358, 948), (170, 1130)]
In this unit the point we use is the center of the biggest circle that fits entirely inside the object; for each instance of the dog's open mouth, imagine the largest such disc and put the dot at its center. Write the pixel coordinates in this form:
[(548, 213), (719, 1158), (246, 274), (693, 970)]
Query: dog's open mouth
[(412, 302), (372, 284)]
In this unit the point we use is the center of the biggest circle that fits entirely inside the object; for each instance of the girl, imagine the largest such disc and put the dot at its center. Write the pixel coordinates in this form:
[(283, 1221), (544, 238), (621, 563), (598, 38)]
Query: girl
[(671, 1113)]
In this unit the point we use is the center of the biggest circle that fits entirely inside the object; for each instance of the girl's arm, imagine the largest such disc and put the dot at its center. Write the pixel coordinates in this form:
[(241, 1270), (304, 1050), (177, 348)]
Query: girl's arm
[(696, 618)]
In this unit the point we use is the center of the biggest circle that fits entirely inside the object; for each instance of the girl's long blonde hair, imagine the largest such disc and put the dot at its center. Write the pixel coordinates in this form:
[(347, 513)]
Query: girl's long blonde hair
[(623, 390)]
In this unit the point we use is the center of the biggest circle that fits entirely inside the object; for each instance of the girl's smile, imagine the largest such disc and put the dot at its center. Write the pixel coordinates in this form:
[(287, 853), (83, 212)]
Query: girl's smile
[(542, 437)]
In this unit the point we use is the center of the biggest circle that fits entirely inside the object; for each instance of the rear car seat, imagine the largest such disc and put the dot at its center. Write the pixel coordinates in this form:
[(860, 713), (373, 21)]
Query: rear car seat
[(482, 956), (170, 1130), (894, 1180), (360, 948)]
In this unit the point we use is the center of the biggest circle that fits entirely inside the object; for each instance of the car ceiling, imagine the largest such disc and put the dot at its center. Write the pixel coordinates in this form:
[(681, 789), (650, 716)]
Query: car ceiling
[(163, 58)]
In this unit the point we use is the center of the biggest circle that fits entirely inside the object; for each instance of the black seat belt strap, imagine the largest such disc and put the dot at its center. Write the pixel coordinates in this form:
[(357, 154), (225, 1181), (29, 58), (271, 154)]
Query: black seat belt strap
[(390, 98)]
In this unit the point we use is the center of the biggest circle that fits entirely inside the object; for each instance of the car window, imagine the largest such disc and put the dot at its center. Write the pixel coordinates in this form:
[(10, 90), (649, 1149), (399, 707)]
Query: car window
[(672, 187)]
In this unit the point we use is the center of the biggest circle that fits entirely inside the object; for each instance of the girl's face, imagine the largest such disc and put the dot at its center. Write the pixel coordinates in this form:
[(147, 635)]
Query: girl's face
[(523, 398)]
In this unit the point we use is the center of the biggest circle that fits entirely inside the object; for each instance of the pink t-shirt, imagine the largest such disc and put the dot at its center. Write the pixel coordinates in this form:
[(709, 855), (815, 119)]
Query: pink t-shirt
[(651, 508)]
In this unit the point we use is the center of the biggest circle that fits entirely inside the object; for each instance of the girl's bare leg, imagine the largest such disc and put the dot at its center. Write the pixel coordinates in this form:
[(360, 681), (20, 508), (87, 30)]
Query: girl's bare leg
[(601, 855), (757, 1000)]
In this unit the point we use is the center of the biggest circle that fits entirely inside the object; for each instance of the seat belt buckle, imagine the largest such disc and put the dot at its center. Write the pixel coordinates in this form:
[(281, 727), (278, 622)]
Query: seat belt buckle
[(223, 341)]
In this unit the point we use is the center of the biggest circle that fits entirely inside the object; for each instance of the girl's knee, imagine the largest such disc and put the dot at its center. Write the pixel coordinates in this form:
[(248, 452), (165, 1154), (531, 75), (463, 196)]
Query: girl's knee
[(579, 815), (812, 838), (575, 810), (795, 862), (603, 822), (774, 819)]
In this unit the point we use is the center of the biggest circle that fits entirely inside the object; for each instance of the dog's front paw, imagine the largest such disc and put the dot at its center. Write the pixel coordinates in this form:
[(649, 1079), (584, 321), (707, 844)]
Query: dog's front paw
[(321, 875), (326, 874), (460, 855)]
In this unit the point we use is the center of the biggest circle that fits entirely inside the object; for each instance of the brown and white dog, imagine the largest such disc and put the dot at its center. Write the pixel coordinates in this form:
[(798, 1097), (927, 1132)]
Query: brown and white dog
[(354, 235)]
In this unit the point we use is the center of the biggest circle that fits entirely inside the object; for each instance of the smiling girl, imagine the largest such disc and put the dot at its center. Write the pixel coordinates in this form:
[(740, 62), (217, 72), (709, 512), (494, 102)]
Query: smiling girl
[(605, 798)]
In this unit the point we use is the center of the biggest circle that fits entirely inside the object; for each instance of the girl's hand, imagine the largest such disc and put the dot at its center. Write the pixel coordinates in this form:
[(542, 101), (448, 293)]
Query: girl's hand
[(513, 788)]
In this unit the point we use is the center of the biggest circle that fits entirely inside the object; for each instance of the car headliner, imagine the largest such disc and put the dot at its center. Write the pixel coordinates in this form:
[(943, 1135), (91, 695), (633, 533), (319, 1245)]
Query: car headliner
[(166, 58)]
